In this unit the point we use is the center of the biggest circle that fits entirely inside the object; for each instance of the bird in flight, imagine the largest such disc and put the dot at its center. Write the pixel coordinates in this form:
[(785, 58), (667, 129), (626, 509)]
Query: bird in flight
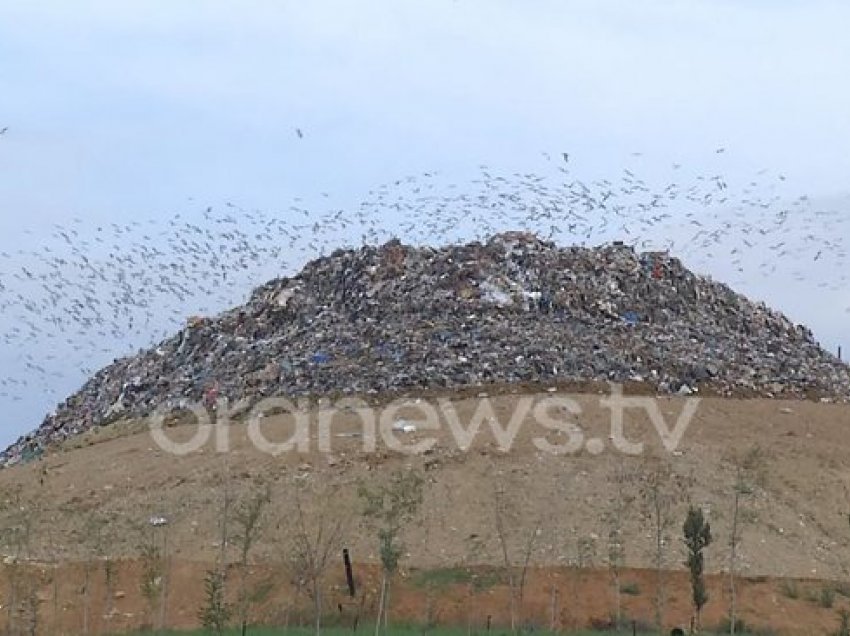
[(299, 133), (3, 130)]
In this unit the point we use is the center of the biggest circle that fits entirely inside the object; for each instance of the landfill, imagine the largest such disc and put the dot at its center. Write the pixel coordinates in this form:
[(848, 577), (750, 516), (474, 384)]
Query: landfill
[(514, 309)]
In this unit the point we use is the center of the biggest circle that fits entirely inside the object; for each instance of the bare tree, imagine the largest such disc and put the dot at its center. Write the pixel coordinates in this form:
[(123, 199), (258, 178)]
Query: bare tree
[(16, 535), (661, 490), (110, 573), (151, 582), (315, 539), (216, 612), (614, 518), (247, 517), (224, 520), (750, 473), (94, 538), (506, 518), (475, 546)]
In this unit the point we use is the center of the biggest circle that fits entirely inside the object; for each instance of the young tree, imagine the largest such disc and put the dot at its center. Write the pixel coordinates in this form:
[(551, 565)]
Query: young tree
[(661, 490), (48, 523), (16, 536), (697, 535), (153, 569), (391, 507), (110, 574), (585, 551), (474, 547), (749, 469), (510, 529), (247, 517), (94, 539), (614, 517), (155, 558), (215, 612), (315, 539)]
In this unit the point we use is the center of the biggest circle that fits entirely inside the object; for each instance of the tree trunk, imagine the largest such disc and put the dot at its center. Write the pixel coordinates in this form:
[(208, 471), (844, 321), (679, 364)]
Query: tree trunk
[(553, 609), (163, 602), (317, 607), (659, 564), (86, 597), (12, 605), (243, 600), (618, 612), (381, 604), (733, 548), (387, 603), (512, 585)]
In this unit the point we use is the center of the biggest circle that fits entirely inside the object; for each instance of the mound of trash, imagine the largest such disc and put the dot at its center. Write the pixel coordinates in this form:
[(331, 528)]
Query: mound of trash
[(515, 309)]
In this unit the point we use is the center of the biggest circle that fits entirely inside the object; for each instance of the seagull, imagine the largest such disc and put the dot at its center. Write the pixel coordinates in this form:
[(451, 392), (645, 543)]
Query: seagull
[(299, 133)]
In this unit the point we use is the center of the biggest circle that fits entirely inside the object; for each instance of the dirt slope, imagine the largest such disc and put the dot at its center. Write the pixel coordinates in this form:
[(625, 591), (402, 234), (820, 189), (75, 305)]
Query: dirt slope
[(96, 499), (798, 523)]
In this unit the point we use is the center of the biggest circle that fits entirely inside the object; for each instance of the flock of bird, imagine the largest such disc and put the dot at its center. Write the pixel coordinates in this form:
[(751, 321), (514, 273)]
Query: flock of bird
[(86, 294)]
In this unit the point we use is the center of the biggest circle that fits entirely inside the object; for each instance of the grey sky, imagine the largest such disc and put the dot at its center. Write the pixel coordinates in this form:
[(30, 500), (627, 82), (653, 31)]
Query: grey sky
[(121, 111)]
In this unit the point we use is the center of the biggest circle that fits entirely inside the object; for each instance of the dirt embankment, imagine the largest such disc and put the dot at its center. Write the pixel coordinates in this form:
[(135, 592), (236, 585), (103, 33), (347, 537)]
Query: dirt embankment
[(97, 499)]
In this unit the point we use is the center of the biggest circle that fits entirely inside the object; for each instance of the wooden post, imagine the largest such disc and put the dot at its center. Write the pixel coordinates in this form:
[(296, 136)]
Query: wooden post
[(349, 575)]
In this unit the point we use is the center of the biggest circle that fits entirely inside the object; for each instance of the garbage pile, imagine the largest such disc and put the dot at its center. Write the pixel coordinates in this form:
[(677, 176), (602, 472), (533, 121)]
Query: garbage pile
[(516, 309)]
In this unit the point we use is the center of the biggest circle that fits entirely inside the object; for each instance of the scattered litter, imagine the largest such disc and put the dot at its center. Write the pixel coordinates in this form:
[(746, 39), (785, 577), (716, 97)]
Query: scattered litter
[(404, 426)]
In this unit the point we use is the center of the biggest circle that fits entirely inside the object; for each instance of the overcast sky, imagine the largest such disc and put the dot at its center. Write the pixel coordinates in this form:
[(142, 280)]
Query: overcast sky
[(130, 110)]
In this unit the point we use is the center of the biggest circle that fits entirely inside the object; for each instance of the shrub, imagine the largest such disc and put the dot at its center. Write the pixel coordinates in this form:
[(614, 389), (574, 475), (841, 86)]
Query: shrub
[(790, 589), (742, 628), (826, 597), (842, 588), (215, 613), (725, 626), (844, 628), (631, 588)]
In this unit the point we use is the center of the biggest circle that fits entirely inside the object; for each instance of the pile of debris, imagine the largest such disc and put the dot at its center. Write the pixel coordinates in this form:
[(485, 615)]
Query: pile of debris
[(516, 309)]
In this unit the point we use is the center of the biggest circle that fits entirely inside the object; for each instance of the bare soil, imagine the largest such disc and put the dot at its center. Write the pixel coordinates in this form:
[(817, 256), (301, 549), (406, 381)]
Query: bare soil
[(796, 522)]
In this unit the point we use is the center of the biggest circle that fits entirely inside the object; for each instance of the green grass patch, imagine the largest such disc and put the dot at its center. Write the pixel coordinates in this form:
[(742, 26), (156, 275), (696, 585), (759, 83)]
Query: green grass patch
[(440, 578)]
